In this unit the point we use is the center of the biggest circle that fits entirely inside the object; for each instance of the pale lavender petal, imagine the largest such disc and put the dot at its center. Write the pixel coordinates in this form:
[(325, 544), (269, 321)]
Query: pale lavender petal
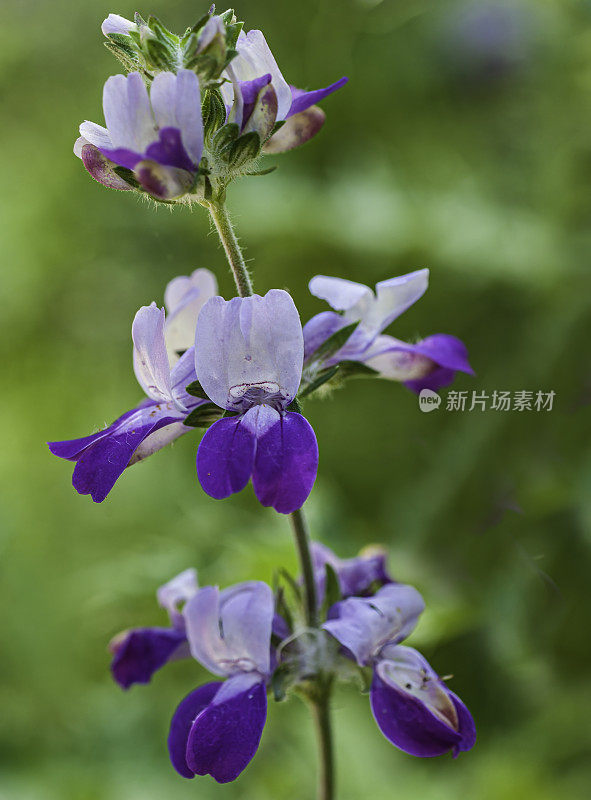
[(393, 298), (184, 298), (246, 619), (230, 632), (296, 131), (415, 710), (139, 653), (364, 625), (341, 294), (286, 462), (225, 736), (95, 134), (255, 59), (212, 28), (128, 113), (182, 721), (99, 167), (302, 100), (117, 24), (150, 360), (175, 593), (226, 457), (250, 343), (160, 438), (188, 113)]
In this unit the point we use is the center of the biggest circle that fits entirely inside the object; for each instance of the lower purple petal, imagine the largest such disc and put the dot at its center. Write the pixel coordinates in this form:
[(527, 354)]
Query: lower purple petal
[(141, 652), (225, 736), (182, 720), (250, 92), (102, 457), (301, 100), (225, 457), (286, 463), (436, 380), (170, 151), (409, 725), (121, 156), (101, 168)]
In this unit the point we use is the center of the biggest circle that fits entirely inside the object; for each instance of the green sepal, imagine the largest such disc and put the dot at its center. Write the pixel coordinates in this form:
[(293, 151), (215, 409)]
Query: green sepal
[(130, 62), (246, 148), (213, 111), (163, 34), (332, 590), (139, 20), (259, 172), (334, 343), (195, 389), (203, 416), (128, 176), (196, 27), (232, 33), (228, 413), (225, 137), (356, 369), (322, 378), (160, 55), (277, 126), (280, 682), (295, 405), (228, 17)]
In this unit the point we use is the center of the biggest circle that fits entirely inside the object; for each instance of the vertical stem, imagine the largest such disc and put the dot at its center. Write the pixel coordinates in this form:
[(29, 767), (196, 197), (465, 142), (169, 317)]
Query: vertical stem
[(302, 540), (223, 224), (321, 701), (326, 778)]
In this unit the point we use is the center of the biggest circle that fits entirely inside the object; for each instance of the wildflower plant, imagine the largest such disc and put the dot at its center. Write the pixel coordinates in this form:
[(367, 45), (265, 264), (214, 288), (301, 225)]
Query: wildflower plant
[(193, 113)]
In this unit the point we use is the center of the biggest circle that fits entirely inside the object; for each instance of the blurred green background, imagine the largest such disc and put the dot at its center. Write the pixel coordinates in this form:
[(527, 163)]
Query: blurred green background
[(462, 143)]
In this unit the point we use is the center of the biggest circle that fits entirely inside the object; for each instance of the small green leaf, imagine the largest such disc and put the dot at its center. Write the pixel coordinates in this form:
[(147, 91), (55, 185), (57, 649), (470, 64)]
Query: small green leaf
[(130, 63), (127, 176), (320, 380), (332, 590), (295, 405), (196, 390), (203, 416), (356, 369), (334, 343)]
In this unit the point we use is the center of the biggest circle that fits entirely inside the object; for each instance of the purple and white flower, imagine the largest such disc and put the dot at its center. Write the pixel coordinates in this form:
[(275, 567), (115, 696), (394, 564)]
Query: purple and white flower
[(257, 96), (217, 728), (430, 363), (158, 136), (248, 358), (140, 652), (412, 706), (356, 576), (158, 420)]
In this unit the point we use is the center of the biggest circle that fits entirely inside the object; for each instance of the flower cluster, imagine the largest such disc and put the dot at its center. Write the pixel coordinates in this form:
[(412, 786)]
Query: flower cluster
[(195, 111), (238, 367), (247, 636)]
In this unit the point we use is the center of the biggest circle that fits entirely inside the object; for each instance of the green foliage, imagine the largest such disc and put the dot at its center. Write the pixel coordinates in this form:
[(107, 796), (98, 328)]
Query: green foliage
[(426, 159)]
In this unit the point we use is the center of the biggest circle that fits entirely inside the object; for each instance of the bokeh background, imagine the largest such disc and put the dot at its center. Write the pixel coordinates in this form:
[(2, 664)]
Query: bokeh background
[(462, 143)]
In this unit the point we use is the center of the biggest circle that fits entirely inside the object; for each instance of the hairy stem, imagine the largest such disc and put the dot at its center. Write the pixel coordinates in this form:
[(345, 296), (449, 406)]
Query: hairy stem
[(321, 700), (326, 778), (302, 540), (221, 220)]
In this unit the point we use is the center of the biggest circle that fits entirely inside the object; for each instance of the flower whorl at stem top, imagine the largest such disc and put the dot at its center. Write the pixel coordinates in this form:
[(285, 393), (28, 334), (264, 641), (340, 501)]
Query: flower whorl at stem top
[(430, 363), (157, 136), (217, 728), (163, 375), (412, 706), (248, 360)]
